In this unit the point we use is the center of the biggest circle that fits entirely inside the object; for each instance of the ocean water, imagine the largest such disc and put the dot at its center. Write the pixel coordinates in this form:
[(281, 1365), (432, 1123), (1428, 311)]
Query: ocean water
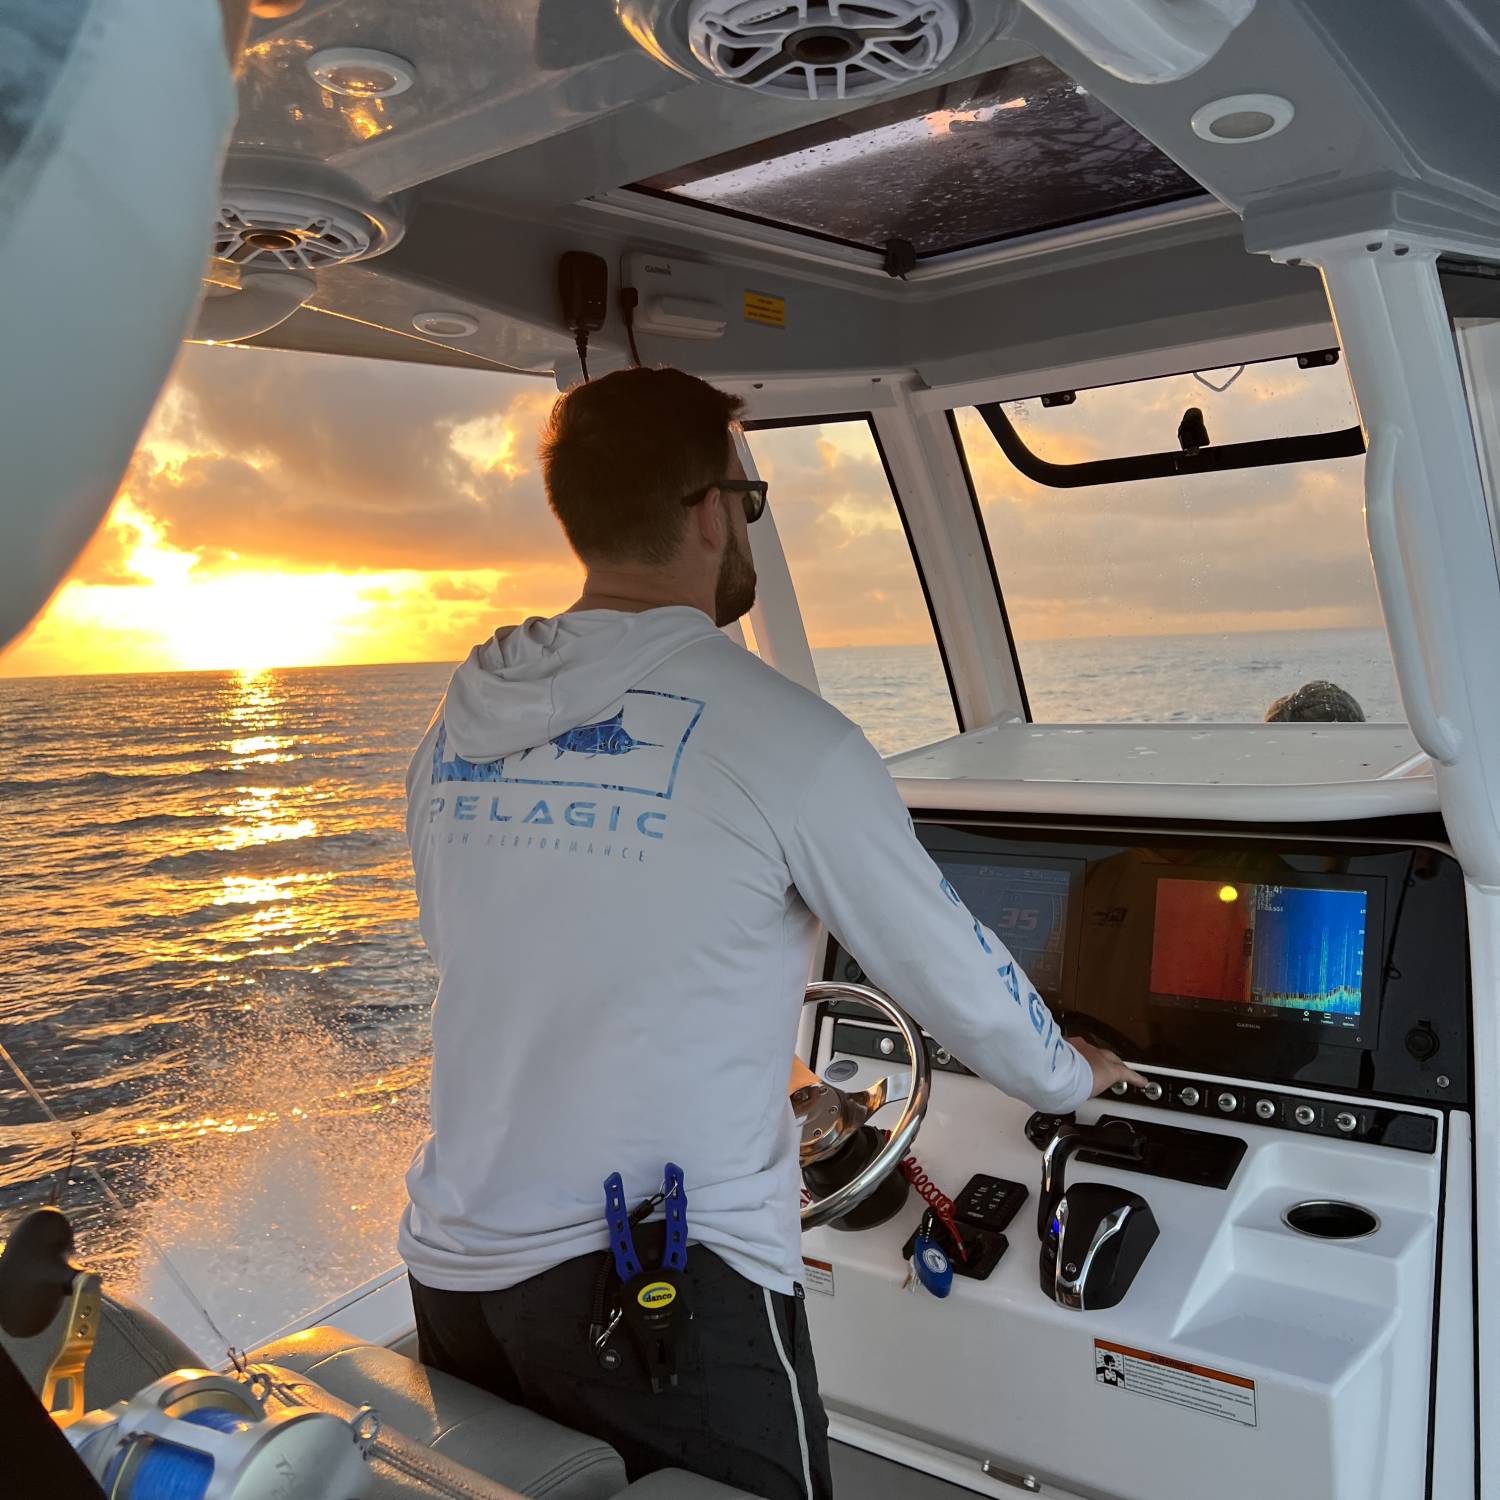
[(209, 962)]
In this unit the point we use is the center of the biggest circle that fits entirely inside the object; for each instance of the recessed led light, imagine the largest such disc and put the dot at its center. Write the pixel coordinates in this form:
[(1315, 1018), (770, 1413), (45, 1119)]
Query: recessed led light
[(1242, 118), (358, 73), (445, 325)]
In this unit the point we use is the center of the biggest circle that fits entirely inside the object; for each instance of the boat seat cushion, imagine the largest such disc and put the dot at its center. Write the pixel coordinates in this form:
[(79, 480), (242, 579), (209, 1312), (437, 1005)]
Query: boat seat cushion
[(503, 1442), (399, 1467)]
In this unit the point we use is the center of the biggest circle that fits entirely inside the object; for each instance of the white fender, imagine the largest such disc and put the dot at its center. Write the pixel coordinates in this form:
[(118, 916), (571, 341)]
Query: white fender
[(111, 142)]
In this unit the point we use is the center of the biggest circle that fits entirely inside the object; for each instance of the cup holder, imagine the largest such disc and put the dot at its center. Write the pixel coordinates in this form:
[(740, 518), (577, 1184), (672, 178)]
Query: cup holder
[(1328, 1219)]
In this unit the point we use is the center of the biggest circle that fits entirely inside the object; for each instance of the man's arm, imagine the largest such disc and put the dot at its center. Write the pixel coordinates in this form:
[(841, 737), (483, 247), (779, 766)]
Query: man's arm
[(858, 865)]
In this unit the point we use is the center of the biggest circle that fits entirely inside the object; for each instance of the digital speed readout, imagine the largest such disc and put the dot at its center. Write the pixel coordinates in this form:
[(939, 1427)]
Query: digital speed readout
[(1026, 907)]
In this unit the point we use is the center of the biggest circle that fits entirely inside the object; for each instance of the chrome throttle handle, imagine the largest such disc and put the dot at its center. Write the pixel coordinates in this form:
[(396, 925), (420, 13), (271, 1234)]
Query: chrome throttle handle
[(1119, 1140)]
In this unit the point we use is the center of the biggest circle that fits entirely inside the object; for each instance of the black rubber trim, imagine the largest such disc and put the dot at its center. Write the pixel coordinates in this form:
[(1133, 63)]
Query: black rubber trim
[(1346, 443), (1437, 1312), (1471, 288), (814, 419)]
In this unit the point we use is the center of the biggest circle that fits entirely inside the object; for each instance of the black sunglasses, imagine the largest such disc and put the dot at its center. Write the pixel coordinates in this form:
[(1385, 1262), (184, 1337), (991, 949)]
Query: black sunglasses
[(751, 491)]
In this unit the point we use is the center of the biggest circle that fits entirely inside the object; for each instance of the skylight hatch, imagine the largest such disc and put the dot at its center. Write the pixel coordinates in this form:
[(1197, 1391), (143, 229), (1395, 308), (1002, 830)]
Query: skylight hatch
[(1016, 150)]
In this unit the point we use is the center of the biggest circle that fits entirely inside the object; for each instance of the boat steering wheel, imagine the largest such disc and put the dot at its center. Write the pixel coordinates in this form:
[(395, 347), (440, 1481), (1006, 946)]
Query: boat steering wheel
[(829, 1118)]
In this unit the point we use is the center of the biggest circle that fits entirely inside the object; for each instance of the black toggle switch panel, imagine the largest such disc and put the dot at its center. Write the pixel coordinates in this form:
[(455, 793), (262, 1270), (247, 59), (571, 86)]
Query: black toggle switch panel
[(989, 1202), (1253, 1104)]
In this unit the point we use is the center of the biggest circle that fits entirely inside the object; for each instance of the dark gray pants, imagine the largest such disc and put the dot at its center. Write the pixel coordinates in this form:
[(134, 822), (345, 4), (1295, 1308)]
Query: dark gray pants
[(745, 1409)]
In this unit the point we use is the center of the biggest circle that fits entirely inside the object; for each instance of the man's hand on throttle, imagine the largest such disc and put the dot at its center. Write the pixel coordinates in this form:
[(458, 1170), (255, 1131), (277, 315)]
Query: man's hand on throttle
[(1106, 1066)]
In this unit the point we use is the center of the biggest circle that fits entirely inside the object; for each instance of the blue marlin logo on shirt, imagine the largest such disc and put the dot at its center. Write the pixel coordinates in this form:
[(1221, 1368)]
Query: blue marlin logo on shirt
[(630, 762), (607, 737)]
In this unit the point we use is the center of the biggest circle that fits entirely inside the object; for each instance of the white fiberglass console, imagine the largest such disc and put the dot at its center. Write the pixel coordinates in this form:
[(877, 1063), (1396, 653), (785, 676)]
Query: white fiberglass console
[(1300, 1008)]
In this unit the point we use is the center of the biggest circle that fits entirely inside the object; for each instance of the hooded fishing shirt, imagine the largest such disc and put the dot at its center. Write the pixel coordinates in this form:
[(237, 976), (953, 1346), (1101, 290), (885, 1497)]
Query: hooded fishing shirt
[(626, 830)]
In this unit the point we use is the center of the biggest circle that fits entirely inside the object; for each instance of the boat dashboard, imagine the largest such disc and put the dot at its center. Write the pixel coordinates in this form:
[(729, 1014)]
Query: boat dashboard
[(1298, 1003)]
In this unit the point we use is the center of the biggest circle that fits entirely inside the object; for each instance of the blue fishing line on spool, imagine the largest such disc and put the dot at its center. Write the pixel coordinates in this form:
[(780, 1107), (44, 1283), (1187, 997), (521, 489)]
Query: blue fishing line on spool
[(169, 1472)]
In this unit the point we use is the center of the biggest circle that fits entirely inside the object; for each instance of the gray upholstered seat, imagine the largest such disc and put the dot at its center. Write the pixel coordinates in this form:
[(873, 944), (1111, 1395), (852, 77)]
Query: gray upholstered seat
[(441, 1438), (402, 1468), (463, 1423)]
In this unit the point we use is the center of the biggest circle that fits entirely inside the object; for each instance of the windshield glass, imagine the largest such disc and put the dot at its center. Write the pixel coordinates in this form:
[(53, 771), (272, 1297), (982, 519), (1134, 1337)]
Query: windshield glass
[(873, 642), (1204, 596)]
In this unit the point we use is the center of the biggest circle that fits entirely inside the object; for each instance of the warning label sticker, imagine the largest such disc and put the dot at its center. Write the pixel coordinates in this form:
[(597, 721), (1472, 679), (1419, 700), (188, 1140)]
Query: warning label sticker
[(1161, 1379), (819, 1276), (763, 308)]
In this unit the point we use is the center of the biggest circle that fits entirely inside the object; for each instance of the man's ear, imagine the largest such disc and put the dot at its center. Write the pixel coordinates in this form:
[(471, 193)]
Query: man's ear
[(711, 521)]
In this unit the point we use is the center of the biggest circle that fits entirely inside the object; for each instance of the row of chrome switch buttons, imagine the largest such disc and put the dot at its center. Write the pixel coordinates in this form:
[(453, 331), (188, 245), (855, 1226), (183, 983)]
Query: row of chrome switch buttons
[(1228, 1103)]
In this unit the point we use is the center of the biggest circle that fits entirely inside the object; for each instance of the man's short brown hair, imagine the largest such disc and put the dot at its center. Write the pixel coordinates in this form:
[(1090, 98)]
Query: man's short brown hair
[(621, 453)]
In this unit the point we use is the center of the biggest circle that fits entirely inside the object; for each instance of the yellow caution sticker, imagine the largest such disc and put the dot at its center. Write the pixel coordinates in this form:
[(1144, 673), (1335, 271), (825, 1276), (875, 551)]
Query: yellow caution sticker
[(656, 1294), (763, 308)]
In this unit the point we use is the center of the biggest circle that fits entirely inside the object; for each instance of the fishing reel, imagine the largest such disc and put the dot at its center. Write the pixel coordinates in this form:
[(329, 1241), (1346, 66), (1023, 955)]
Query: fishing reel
[(192, 1435), (196, 1436)]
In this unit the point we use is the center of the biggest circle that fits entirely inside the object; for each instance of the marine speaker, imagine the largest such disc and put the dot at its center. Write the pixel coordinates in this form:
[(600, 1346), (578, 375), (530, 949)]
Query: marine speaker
[(821, 50), (276, 230), (279, 224), (285, 215)]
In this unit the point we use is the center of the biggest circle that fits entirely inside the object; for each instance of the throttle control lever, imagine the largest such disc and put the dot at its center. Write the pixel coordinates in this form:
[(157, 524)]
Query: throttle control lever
[(1118, 1139), (1095, 1237)]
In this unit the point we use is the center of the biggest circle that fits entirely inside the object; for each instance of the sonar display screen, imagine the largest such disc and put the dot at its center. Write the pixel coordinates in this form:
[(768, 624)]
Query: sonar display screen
[(1260, 950)]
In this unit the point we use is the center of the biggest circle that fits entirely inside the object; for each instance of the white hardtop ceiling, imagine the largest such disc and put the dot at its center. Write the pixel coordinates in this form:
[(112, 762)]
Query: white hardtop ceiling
[(527, 118)]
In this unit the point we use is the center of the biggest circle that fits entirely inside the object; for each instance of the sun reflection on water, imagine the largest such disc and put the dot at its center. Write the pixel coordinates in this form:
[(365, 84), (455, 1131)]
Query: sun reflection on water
[(262, 749), (254, 818), (248, 890), (245, 1044)]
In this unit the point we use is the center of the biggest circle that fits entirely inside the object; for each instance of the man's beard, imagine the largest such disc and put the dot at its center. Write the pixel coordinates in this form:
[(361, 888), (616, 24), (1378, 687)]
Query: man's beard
[(735, 590)]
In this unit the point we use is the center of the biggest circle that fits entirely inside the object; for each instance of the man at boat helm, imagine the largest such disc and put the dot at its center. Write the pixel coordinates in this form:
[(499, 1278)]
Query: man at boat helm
[(626, 829)]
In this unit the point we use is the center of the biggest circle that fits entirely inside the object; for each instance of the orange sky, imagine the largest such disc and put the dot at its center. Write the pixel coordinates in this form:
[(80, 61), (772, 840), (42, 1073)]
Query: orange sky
[(296, 510)]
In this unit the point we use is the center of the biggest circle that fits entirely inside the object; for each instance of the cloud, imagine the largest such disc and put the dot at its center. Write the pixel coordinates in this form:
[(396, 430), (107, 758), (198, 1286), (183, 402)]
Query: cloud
[(458, 589), (848, 554), (314, 461), (106, 559)]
